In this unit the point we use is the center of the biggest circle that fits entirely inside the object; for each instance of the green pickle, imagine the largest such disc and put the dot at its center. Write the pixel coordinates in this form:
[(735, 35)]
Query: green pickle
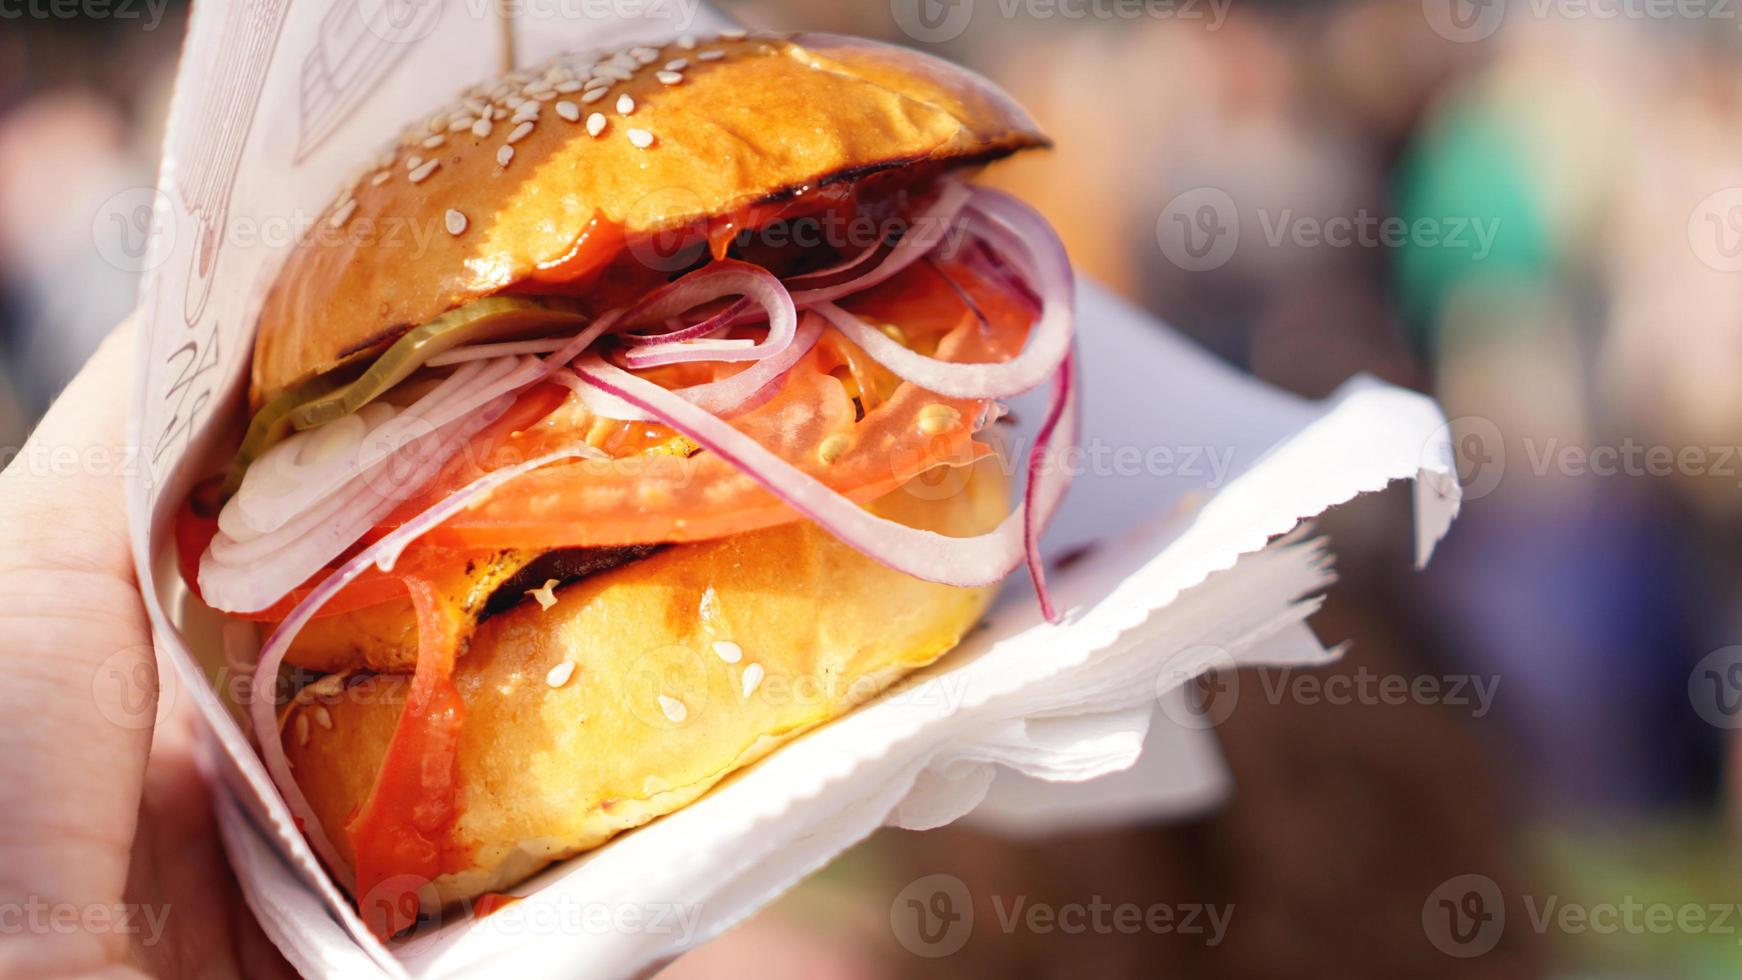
[(328, 397)]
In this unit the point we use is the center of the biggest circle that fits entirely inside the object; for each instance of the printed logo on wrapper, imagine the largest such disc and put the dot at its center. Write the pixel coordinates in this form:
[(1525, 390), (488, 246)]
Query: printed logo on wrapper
[(1210, 679), (1199, 229), (1715, 230), (126, 233), (666, 687), (933, 916), (1465, 917), (1464, 21), (1715, 688), (932, 21), (130, 692)]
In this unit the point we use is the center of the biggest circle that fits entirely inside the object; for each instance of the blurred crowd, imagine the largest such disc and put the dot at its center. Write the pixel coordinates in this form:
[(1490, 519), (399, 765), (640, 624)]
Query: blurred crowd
[(1537, 219)]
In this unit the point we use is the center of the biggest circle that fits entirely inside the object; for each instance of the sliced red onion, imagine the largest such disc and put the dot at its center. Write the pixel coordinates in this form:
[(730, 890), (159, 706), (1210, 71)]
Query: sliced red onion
[(838, 269), (1047, 481), (926, 231), (701, 328), (262, 709), (980, 560), (511, 348), (727, 277), (728, 396), (252, 576)]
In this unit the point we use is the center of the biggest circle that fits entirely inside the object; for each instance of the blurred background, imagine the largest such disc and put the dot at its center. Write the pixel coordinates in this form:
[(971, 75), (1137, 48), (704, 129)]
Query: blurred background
[(1531, 210)]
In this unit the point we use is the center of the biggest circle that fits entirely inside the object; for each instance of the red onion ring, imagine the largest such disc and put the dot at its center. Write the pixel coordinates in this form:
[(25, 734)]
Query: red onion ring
[(701, 328), (728, 396), (383, 553), (981, 560), (926, 231), (727, 277)]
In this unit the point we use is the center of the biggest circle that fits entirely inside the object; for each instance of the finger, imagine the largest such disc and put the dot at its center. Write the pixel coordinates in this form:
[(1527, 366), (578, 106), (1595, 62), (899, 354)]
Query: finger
[(80, 677)]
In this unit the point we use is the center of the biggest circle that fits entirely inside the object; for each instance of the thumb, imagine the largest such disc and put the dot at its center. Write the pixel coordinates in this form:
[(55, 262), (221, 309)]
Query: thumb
[(80, 677)]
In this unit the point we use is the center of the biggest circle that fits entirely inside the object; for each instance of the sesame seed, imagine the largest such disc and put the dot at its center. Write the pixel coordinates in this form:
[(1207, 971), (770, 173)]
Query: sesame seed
[(515, 102), (937, 418), (734, 34), (456, 222), (560, 674), (476, 107), (752, 677), (323, 717), (677, 64), (520, 132), (674, 710), (687, 42), (481, 128), (498, 113), (613, 71), (569, 88), (461, 124), (641, 138), (593, 95), (434, 141), (504, 156), (599, 83), (715, 55), (330, 686), (568, 110), (625, 104), (644, 55), (546, 593), (413, 162), (832, 448), (595, 124), (343, 214), (668, 77), (302, 729), (380, 178), (729, 652), (417, 176)]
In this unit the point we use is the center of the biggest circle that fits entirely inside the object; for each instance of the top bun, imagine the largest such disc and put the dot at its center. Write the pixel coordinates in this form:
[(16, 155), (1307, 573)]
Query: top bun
[(487, 192)]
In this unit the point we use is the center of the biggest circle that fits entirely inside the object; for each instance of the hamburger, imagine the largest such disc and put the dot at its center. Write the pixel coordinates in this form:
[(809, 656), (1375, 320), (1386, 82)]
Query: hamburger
[(688, 400)]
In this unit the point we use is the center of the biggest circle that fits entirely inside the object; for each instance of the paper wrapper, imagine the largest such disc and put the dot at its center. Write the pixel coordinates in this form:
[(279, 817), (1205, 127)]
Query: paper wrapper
[(1177, 533)]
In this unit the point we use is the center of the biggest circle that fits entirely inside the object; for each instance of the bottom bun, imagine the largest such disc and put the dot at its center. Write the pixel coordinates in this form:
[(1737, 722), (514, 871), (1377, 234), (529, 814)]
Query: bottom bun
[(689, 664)]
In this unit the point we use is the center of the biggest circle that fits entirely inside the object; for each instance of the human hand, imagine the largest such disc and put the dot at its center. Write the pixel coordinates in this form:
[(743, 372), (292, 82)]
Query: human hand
[(110, 863)]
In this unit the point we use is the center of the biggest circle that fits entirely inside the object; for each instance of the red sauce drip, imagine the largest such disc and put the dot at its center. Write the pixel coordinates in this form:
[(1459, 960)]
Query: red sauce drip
[(401, 835)]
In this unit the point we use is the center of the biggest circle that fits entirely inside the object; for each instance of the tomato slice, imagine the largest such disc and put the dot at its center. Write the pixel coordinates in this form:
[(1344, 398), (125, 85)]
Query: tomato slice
[(812, 423), (401, 834)]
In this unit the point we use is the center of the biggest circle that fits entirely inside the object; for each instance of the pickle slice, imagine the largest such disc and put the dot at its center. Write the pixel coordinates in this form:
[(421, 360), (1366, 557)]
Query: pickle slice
[(272, 424), (339, 392), (490, 318)]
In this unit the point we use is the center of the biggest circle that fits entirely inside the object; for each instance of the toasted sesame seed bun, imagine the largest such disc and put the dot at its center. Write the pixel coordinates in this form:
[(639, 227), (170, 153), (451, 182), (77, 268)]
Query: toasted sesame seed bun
[(462, 207), (655, 711)]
